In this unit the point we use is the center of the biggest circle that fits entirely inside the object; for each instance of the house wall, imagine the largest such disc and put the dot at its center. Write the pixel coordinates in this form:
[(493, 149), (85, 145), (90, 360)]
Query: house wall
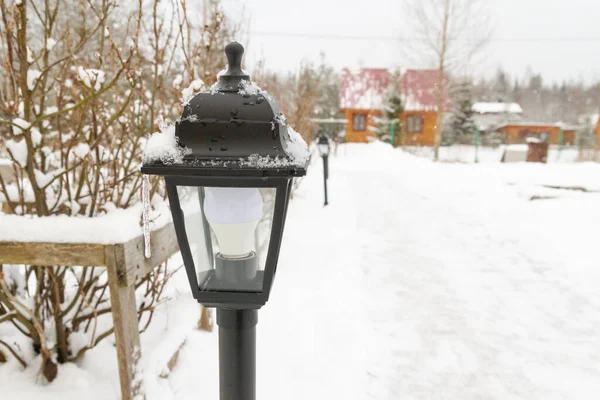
[(516, 134), (597, 134), (427, 136), (353, 136)]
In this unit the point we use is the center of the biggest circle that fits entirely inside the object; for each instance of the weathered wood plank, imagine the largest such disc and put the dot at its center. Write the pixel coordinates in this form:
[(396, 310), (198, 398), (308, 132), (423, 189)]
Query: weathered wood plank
[(69, 254), (125, 322), (164, 245)]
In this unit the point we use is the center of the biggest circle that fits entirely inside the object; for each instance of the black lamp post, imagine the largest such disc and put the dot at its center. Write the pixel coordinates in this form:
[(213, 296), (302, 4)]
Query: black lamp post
[(324, 148), (241, 159)]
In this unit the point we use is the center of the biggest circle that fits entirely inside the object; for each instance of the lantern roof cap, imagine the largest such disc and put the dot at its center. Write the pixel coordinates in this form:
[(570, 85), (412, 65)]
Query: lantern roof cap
[(234, 125)]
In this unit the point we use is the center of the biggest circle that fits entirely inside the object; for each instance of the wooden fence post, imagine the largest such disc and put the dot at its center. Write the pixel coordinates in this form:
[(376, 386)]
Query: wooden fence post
[(125, 321)]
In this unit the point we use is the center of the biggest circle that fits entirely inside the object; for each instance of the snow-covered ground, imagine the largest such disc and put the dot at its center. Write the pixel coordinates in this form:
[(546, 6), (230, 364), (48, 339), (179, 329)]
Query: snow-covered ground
[(418, 281), (485, 154)]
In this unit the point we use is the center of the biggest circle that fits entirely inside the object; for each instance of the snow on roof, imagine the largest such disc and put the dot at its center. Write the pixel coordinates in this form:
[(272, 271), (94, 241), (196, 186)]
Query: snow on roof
[(118, 226), (497, 108), (594, 121), (419, 90), (329, 120), (542, 124), (363, 89)]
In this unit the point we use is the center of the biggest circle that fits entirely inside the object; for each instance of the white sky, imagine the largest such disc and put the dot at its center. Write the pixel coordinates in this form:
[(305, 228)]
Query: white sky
[(511, 19)]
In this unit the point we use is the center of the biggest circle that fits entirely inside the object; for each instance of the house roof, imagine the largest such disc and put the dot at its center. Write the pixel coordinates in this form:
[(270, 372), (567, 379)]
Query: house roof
[(363, 89), (419, 88), (497, 108), (595, 121), (540, 124)]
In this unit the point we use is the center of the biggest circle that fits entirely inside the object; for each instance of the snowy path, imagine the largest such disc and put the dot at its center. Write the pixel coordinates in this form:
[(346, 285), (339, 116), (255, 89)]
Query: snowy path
[(434, 283)]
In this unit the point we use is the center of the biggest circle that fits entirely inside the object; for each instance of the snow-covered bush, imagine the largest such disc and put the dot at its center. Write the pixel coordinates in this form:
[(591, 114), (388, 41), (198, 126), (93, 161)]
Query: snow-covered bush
[(82, 83)]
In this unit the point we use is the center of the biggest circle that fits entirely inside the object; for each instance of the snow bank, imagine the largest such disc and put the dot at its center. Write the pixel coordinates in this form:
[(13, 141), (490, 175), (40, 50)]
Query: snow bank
[(92, 78), (486, 294), (248, 88), (297, 148), (189, 92), (118, 226), (162, 146), (32, 76), (21, 125), (50, 43), (18, 151)]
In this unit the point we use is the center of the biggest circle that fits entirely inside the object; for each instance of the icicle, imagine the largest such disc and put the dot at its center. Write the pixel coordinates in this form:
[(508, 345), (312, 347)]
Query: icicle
[(146, 215)]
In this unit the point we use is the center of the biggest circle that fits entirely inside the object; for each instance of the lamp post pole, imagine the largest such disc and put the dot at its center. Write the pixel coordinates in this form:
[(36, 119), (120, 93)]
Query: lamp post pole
[(325, 175), (237, 353), (229, 192), (477, 141), (561, 141), (324, 148)]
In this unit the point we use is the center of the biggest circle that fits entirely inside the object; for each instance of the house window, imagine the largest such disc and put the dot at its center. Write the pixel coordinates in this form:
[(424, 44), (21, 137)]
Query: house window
[(414, 124), (359, 122)]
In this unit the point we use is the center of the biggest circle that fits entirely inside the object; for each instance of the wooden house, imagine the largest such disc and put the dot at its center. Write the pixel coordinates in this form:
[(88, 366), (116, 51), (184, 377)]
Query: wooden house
[(518, 132), (597, 131), (419, 94), (489, 115), (362, 99)]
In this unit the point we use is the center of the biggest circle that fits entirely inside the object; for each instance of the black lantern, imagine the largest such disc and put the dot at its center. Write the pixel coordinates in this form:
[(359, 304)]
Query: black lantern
[(232, 186), (229, 196), (324, 146)]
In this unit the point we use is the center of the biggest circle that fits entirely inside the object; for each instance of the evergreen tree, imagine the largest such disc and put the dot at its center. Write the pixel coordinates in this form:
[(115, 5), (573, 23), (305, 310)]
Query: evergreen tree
[(463, 124), (390, 113)]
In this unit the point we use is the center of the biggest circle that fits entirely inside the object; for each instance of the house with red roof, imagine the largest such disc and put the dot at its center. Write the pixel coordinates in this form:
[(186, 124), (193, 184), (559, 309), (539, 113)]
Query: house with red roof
[(597, 131), (362, 99)]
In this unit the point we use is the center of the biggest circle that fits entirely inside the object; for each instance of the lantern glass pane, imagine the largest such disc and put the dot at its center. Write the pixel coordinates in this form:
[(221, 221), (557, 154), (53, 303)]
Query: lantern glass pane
[(324, 149), (228, 230)]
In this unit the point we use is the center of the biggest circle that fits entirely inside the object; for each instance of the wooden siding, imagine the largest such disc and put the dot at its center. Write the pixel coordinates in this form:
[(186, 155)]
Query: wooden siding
[(516, 134), (353, 136), (425, 138), (597, 133)]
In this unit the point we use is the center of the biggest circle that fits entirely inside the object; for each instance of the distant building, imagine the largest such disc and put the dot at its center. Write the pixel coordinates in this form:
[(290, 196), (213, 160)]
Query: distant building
[(519, 132), (597, 130), (489, 115), (419, 119), (362, 99)]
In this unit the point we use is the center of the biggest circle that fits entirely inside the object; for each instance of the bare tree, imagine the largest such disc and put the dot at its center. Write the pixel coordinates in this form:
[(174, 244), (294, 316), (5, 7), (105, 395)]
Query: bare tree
[(450, 33), (81, 86)]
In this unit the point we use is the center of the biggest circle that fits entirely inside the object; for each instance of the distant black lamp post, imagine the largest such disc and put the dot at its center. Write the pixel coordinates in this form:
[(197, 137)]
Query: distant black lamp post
[(324, 148), (239, 169)]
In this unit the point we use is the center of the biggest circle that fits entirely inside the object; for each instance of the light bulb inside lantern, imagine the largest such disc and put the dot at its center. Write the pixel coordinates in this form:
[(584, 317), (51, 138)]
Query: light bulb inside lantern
[(233, 214), (324, 149)]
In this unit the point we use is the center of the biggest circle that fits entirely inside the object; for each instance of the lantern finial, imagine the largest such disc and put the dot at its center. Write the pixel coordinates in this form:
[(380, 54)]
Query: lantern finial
[(229, 81), (234, 52)]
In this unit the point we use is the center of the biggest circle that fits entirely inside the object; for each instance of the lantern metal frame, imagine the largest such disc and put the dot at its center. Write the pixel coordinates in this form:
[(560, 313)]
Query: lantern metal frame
[(222, 129), (323, 140), (235, 136), (231, 299)]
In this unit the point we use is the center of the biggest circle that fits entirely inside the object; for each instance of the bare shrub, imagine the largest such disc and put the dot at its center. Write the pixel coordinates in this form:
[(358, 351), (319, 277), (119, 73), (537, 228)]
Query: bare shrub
[(82, 83)]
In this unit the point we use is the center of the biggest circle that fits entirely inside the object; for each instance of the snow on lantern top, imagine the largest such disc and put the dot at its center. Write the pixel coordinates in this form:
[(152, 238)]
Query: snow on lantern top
[(234, 126)]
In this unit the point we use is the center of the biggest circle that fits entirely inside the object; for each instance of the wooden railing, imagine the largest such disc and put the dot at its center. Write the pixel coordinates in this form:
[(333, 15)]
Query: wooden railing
[(125, 262)]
